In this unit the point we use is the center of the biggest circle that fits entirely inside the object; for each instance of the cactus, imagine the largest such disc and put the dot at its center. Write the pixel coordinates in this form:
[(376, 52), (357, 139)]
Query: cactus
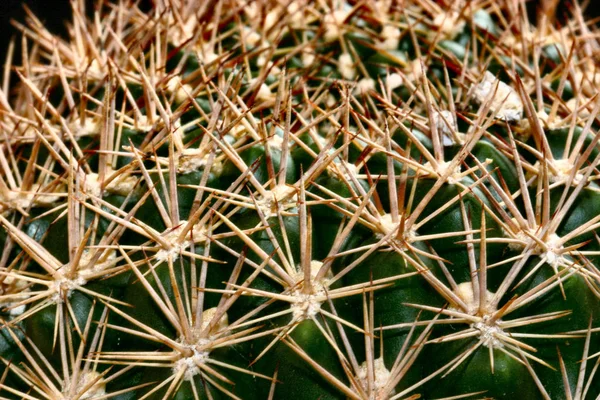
[(301, 200)]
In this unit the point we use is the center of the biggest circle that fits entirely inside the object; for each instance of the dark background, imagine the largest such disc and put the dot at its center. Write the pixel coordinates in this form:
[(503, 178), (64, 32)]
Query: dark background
[(54, 12), (51, 12)]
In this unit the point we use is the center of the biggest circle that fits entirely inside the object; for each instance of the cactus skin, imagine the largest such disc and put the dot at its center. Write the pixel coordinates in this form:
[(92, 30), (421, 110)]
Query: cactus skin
[(299, 200)]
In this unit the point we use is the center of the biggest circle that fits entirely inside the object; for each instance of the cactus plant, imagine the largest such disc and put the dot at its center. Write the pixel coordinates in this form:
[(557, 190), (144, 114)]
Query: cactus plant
[(301, 200)]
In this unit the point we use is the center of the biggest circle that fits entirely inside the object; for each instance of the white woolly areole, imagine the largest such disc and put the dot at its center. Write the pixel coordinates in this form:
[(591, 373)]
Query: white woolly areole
[(43, 199), (190, 364), (18, 291), (281, 195), (252, 10), (121, 185), (237, 131), (275, 142), (559, 171), (307, 305), (387, 225), (442, 168), (467, 295), (90, 127), (445, 122), (171, 236), (264, 92), (544, 121), (181, 90), (251, 37), (143, 123), (63, 287), (177, 130), (348, 170), (391, 37), (205, 53), (262, 60), (10, 284), (523, 239), (505, 102), (199, 349), (308, 58), (86, 268), (488, 334), (589, 78), (207, 317), (94, 70), (14, 310), (15, 199), (180, 33), (346, 66), (553, 250), (550, 249), (564, 169), (333, 23), (330, 100), (296, 14), (528, 37), (381, 375), (92, 184), (207, 57), (449, 24), (573, 105), (488, 330), (543, 117), (416, 71), (194, 159), (271, 19), (394, 81), (364, 85), (97, 390)]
